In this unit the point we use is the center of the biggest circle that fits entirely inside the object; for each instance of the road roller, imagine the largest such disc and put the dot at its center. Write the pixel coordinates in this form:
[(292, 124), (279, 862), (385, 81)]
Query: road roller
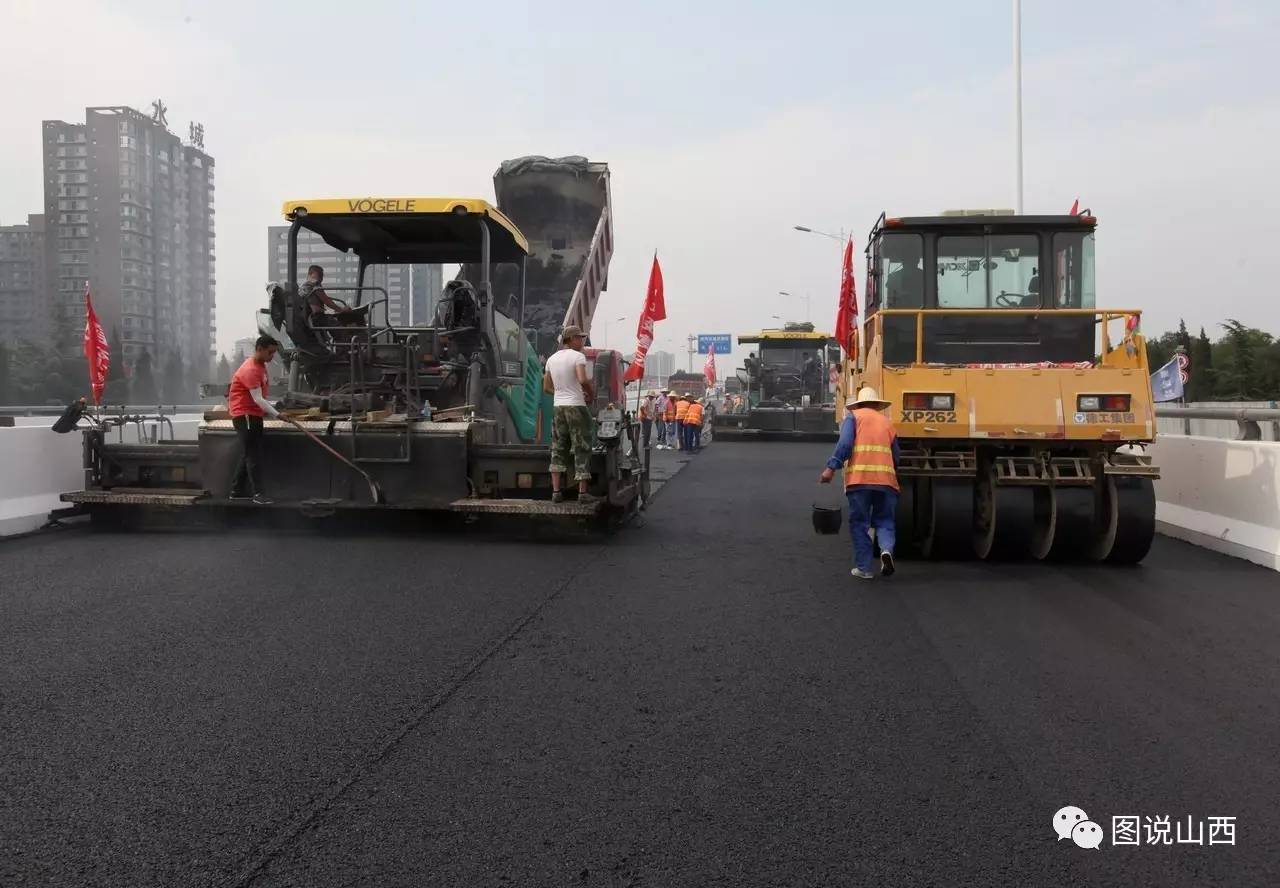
[(1023, 409)]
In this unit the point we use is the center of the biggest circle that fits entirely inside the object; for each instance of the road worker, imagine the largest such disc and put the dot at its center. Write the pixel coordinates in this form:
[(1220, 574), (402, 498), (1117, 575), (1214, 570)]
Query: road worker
[(868, 453), (313, 296), (693, 425), (682, 407), (660, 417), (565, 376), (248, 405), (669, 417), (646, 418)]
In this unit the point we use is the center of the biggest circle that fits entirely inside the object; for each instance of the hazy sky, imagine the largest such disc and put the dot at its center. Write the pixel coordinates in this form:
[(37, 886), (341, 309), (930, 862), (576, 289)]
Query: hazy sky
[(724, 123)]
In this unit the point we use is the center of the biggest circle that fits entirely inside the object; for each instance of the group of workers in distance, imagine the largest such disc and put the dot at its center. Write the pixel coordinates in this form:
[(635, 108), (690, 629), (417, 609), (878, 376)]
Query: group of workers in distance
[(679, 418)]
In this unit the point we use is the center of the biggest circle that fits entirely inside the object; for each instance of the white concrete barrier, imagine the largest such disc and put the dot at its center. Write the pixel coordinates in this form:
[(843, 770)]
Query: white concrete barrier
[(37, 465), (1222, 495)]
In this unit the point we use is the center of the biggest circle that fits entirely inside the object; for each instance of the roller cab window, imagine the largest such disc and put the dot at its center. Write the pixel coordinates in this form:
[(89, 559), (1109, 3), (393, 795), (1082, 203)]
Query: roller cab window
[(988, 271), (900, 271), (1073, 266)]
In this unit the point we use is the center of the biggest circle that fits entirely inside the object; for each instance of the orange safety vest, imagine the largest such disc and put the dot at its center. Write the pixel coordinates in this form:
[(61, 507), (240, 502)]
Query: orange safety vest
[(644, 410), (693, 416), (673, 407), (681, 409), (872, 459)]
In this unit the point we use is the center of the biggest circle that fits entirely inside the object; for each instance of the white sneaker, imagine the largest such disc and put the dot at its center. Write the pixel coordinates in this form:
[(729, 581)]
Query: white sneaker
[(862, 574), (887, 566)]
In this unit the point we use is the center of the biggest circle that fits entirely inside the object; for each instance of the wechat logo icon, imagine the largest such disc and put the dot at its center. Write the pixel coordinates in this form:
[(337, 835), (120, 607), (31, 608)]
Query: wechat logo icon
[(1073, 823)]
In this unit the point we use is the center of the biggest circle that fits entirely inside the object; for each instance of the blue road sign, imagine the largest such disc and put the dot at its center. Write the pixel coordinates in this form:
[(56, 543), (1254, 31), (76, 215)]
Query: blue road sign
[(1166, 383), (723, 341)]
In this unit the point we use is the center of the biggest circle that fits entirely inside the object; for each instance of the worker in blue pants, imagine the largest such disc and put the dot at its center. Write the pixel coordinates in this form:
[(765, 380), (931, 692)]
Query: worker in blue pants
[(868, 453)]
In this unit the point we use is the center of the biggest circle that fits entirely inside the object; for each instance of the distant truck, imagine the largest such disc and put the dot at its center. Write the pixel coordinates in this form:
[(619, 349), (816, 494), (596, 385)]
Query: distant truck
[(683, 383)]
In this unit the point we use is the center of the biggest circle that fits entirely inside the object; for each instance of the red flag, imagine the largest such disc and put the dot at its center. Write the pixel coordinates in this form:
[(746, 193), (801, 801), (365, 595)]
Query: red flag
[(1075, 207), (709, 368), (847, 315), (655, 309), (95, 348)]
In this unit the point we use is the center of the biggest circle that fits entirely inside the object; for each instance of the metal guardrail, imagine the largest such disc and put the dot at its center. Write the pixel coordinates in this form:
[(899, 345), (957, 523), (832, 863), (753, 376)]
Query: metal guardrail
[(1247, 418), (109, 410)]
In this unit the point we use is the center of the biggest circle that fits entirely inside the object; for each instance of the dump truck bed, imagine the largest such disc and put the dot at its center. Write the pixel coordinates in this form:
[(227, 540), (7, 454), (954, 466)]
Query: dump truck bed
[(562, 205)]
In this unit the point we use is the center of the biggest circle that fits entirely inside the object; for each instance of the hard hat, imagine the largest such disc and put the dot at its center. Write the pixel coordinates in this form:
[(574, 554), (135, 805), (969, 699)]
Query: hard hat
[(571, 332), (867, 397)]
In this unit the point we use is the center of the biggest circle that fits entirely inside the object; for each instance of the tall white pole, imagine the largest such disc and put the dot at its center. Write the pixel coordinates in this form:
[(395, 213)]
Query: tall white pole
[(1017, 94)]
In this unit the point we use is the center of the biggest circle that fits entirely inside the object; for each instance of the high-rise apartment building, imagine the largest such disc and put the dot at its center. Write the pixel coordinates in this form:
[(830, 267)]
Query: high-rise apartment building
[(342, 273), (427, 283), (129, 208), (23, 307), (659, 364)]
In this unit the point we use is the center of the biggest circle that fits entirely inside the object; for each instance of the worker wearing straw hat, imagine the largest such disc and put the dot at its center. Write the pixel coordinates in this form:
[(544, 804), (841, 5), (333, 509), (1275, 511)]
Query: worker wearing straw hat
[(868, 452), (660, 417), (646, 418)]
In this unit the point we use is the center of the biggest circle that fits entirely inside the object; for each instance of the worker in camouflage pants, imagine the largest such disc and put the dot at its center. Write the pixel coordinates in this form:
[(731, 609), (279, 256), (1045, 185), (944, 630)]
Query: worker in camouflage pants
[(571, 432), (567, 378)]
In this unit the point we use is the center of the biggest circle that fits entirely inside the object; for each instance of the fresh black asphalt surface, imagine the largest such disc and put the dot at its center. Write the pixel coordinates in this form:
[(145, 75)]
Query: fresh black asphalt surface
[(707, 699)]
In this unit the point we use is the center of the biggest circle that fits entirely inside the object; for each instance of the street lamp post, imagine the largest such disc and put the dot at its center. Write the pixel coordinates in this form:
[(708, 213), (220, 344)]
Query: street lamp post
[(1017, 97), (841, 237), (807, 314)]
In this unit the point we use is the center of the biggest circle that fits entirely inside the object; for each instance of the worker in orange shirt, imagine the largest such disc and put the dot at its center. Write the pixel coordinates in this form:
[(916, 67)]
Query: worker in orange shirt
[(248, 404), (693, 426), (682, 408)]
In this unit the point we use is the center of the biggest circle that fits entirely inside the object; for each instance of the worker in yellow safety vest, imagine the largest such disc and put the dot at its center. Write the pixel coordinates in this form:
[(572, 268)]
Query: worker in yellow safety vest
[(868, 452), (682, 408), (693, 426)]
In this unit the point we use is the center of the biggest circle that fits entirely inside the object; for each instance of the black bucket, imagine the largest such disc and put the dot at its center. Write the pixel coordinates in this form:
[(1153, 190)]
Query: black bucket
[(827, 521), (70, 417)]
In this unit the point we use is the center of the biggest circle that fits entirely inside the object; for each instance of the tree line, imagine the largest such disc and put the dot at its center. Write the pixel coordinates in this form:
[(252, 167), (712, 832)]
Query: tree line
[(36, 374), (1243, 364)]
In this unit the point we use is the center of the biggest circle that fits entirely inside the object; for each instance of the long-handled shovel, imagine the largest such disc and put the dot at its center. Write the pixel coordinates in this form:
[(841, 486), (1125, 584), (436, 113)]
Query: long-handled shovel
[(374, 490)]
